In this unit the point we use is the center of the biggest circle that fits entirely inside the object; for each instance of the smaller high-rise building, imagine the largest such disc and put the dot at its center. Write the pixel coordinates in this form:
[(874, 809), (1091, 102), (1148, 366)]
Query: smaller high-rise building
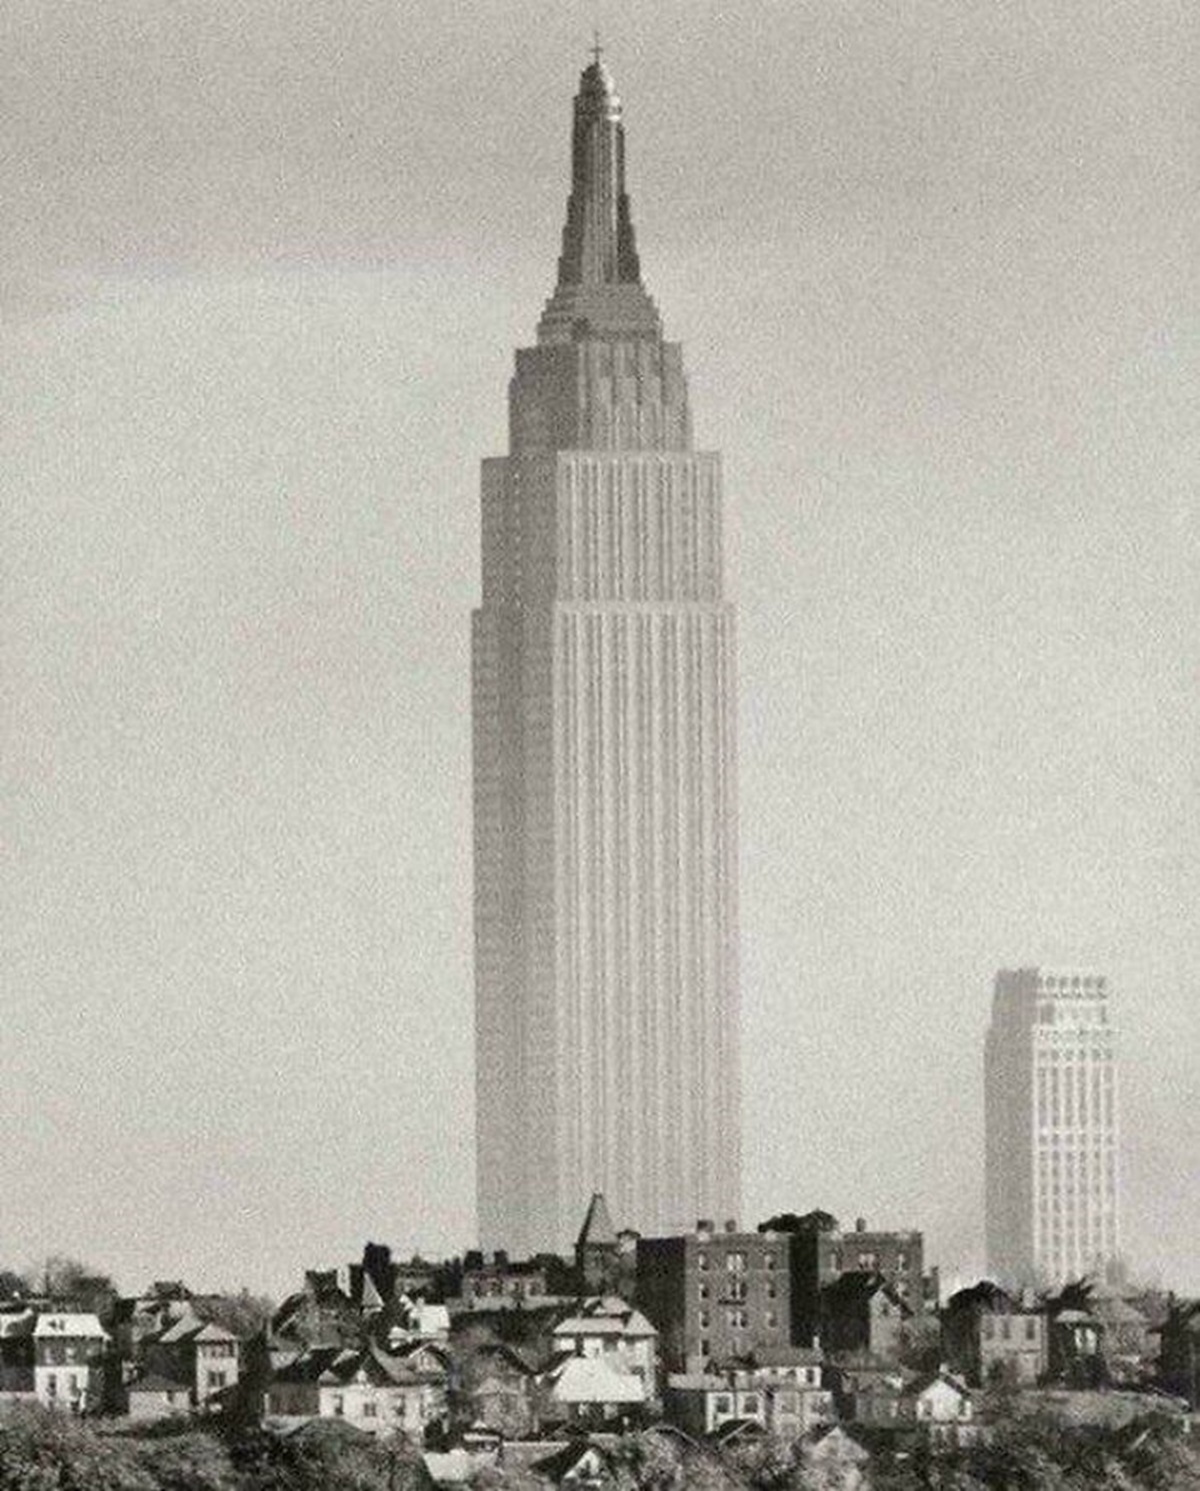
[(1050, 1104)]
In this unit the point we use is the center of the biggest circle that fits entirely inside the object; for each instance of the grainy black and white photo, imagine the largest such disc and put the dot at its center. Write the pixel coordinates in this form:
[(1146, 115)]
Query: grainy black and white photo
[(599, 745)]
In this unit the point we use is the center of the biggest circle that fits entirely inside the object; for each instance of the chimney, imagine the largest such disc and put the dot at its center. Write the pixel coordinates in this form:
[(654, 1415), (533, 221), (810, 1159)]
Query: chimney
[(860, 1224), (730, 1224), (704, 1228)]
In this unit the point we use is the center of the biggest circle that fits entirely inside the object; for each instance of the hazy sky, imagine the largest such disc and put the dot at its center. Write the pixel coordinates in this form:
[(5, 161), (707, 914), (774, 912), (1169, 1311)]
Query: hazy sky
[(262, 268)]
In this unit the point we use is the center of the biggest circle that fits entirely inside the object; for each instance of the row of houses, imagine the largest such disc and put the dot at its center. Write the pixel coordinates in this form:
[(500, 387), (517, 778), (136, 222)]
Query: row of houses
[(786, 1330)]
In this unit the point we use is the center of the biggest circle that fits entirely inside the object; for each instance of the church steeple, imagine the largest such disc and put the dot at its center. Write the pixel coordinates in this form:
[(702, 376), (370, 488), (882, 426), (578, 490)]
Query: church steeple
[(599, 289)]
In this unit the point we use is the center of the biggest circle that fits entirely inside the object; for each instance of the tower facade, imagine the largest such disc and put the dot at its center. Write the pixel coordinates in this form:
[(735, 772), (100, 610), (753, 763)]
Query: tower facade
[(604, 787), (1051, 1120)]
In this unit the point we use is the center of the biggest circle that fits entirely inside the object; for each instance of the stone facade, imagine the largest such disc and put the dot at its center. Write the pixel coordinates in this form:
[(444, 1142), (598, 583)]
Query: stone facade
[(604, 791), (1051, 1128)]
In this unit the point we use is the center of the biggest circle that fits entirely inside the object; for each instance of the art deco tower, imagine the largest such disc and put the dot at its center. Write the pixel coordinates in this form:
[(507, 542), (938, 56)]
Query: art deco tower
[(604, 790), (1050, 1099)]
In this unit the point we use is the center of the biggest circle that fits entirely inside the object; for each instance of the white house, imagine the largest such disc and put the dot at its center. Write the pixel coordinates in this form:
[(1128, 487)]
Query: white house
[(68, 1361)]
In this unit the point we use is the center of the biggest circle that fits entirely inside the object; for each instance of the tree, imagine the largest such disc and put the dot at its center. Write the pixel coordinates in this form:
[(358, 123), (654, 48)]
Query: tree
[(244, 1314), (67, 1281)]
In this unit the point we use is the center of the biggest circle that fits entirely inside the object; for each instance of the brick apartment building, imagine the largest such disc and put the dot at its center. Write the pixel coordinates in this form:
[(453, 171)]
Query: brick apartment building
[(714, 1295), (820, 1252)]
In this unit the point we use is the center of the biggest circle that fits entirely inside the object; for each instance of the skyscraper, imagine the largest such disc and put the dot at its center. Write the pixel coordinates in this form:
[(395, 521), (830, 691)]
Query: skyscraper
[(1050, 1099), (604, 791)]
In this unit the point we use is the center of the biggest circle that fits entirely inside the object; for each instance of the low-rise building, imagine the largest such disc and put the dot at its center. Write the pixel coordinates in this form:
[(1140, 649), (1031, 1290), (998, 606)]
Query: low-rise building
[(501, 1283), (783, 1393), (989, 1335), (609, 1327), (155, 1397), (862, 1315), (589, 1390), (199, 1353), (369, 1388), (70, 1354)]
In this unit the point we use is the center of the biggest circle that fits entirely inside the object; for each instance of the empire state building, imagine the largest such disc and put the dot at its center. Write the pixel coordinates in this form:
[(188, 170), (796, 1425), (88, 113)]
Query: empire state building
[(603, 700)]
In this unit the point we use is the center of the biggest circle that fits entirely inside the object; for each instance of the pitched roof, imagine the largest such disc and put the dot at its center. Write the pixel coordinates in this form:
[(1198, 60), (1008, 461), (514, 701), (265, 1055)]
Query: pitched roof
[(590, 1379), (56, 1325), (597, 1229), (556, 1466), (157, 1382), (787, 1356)]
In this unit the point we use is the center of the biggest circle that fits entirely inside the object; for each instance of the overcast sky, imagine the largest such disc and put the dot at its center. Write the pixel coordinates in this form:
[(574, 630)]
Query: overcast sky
[(262, 269)]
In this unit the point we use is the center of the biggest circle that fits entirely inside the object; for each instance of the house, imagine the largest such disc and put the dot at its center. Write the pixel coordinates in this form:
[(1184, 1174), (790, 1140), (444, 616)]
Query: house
[(499, 1389), (941, 1406), (154, 1397), (713, 1295), (378, 1392), (1076, 1348), (1127, 1342), (501, 1283), (588, 1390), (833, 1457), (863, 1315), (606, 1326), (784, 1395), (989, 1335), (199, 1353), (791, 1379), (70, 1354)]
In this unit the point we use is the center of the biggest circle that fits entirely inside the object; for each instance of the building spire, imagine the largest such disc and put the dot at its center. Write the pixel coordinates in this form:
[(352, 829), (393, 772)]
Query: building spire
[(598, 269)]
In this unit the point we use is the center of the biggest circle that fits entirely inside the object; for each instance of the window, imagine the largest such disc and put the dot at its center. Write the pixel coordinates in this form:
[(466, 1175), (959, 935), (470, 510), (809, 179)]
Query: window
[(737, 1289), (735, 1262), (703, 1320), (703, 1291), (704, 1347), (769, 1261), (724, 1403), (702, 1262), (52, 1386), (339, 1405), (370, 1409), (771, 1321), (771, 1289), (1031, 1329), (750, 1403), (868, 1262)]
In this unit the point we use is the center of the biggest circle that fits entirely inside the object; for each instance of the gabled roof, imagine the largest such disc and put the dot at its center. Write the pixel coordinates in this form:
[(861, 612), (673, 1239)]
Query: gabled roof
[(597, 1229), (183, 1329), (57, 1326), (590, 1379), (834, 1441), (157, 1382), (932, 1379), (569, 1457), (210, 1331)]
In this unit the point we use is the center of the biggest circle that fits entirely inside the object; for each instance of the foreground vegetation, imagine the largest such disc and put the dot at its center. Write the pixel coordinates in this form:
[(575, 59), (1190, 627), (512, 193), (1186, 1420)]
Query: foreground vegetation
[(45, 1451)]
